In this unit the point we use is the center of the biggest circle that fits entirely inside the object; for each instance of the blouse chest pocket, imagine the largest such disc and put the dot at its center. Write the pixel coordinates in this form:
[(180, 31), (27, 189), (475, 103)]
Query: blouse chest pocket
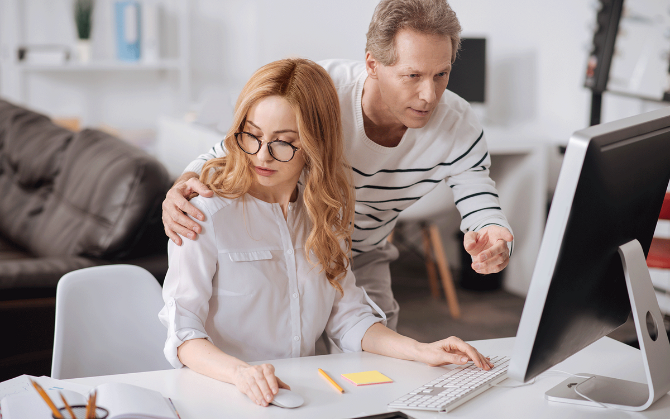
[(250, 256), (243, 273)]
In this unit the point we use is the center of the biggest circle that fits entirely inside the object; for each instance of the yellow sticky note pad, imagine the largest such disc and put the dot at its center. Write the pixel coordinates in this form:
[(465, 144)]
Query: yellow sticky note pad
[(367, 378)]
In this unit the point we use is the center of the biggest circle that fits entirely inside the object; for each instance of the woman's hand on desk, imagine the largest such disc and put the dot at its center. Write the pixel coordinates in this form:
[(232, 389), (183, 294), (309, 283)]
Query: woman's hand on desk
[(451, 350), (383, 341), (258, 382)]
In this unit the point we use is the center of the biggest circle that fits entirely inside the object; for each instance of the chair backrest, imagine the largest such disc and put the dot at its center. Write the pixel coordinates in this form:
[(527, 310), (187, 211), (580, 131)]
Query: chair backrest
[(107, 323)]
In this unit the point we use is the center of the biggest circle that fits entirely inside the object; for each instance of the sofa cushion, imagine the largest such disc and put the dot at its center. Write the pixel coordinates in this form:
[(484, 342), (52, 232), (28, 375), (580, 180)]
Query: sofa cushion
[(32, 145), (106, 192), (77, 195), (31, 154), (9, 251)]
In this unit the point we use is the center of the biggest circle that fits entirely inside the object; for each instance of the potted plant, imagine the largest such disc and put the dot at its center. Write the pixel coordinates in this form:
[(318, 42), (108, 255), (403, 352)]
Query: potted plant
[(83, 18)]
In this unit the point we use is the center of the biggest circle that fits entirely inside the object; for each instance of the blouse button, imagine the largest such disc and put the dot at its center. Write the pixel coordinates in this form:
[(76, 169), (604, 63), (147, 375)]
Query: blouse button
[(295, 295), (296, 338), (289, 251), (171, 303)]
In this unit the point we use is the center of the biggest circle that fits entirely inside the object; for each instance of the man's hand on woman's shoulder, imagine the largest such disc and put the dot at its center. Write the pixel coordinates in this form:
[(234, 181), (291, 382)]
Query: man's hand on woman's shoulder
[(176, 206)]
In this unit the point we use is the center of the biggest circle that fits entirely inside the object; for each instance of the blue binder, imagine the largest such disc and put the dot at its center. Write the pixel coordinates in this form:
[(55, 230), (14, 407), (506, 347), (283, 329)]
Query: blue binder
[(128, 30)]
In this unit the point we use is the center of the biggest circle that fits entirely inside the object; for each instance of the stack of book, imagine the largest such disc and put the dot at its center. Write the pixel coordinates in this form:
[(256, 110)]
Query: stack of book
[(44, 54)]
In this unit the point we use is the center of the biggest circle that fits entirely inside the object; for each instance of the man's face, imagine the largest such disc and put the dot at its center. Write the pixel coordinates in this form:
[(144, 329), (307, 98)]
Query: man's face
[(411, 88)]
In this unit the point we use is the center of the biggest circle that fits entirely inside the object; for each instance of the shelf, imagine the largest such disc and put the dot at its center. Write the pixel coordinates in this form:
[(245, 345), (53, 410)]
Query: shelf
[(102, 66), (113, 77)]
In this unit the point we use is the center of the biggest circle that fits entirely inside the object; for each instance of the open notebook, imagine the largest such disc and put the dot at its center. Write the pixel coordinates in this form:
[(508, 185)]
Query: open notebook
[(123, 401)]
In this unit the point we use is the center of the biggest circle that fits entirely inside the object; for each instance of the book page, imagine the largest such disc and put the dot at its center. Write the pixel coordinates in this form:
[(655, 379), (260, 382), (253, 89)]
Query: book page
[(29, 404), (126, 401), (49, 383), (16, 385), (22, 383)]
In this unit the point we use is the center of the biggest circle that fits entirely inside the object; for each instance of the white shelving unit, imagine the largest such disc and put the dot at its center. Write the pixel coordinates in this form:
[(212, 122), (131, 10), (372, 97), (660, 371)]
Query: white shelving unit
[(107, 65), (17, 75)]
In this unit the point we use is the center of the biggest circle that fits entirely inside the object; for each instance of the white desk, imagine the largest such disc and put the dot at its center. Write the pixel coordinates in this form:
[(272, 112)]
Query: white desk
[(199, 397)]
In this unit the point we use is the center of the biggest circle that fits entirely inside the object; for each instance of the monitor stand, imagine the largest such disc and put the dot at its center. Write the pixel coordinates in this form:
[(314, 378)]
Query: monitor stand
[(623, 394)]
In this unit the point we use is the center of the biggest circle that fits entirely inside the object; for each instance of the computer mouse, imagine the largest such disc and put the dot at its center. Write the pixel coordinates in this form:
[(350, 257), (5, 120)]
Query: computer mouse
[(288, 399)]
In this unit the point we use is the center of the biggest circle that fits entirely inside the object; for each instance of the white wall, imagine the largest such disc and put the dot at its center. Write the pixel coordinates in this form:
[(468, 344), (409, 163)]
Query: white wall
[(537, 57), (537, 54), (229, 40), (537, 51)]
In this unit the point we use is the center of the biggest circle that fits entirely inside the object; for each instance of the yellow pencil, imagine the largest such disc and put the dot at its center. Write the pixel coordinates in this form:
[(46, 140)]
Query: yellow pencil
[(47, 399), (91, 409), (94, 408), (88, 406), (330, 380), (67, 406)]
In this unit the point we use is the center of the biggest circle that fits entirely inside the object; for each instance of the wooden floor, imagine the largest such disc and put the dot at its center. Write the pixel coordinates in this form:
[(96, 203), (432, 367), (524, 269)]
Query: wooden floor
[(484, 314)]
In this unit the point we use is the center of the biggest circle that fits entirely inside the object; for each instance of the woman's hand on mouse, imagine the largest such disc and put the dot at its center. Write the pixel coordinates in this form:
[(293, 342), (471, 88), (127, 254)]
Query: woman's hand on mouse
[(258, 382), (451, 350)]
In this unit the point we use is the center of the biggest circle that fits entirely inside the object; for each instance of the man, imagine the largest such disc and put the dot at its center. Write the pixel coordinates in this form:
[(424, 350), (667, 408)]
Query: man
[(404, 133)]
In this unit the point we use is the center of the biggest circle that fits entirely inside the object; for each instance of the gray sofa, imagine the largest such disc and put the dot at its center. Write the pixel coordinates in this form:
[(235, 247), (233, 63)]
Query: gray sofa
[(67, 201)]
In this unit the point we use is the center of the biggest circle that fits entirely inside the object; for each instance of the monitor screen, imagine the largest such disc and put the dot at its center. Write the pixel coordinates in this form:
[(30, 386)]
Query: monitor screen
[(468, 73), (610, 191)]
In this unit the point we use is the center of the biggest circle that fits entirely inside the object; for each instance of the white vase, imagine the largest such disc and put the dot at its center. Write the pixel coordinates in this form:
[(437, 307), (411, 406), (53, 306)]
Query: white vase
[(84, 50)]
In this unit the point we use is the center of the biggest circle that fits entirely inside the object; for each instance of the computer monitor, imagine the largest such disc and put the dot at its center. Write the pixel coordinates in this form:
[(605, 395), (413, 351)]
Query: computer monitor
[(591, 265), (468, 74)]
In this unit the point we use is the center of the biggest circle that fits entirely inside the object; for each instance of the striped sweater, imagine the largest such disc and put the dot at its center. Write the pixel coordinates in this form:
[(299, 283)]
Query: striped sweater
[(451, 147)]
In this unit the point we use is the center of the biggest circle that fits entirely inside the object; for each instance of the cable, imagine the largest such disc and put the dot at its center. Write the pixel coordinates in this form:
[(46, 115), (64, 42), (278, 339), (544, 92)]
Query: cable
[(590, 399), (588, 377), (576, 388), (532, 381), (515, 386), (569, 373)]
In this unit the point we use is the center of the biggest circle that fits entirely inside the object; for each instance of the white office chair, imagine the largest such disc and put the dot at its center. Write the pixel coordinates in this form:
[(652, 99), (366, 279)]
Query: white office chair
[(107, 323), (435, 203)]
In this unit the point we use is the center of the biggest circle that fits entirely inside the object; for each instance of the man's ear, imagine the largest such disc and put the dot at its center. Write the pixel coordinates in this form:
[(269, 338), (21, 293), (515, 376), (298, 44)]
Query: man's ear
[(371, 65)]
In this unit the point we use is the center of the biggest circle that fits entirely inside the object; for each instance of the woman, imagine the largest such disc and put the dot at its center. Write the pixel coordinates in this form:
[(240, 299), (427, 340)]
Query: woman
[(270, 271)]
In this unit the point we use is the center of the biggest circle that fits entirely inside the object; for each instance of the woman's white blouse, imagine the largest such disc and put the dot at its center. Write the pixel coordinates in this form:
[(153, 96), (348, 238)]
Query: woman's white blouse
[(246, 285)]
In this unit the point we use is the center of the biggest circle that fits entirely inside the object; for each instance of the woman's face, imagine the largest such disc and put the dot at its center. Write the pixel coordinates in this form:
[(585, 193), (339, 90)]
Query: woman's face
[(271, 119)]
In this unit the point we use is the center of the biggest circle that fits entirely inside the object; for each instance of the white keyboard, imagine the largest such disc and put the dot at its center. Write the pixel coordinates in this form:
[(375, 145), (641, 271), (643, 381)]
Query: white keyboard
[(454, 388)]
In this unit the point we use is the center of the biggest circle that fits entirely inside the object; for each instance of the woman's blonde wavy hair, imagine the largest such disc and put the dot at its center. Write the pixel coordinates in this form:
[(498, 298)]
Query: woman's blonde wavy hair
[(328, 193)]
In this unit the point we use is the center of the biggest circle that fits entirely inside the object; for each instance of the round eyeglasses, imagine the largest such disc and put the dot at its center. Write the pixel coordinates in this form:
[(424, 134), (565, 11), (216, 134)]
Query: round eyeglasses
[(279, 150)]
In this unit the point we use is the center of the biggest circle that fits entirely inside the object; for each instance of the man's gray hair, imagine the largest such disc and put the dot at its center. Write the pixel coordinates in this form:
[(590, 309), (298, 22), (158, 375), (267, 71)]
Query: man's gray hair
[(433, 17)]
